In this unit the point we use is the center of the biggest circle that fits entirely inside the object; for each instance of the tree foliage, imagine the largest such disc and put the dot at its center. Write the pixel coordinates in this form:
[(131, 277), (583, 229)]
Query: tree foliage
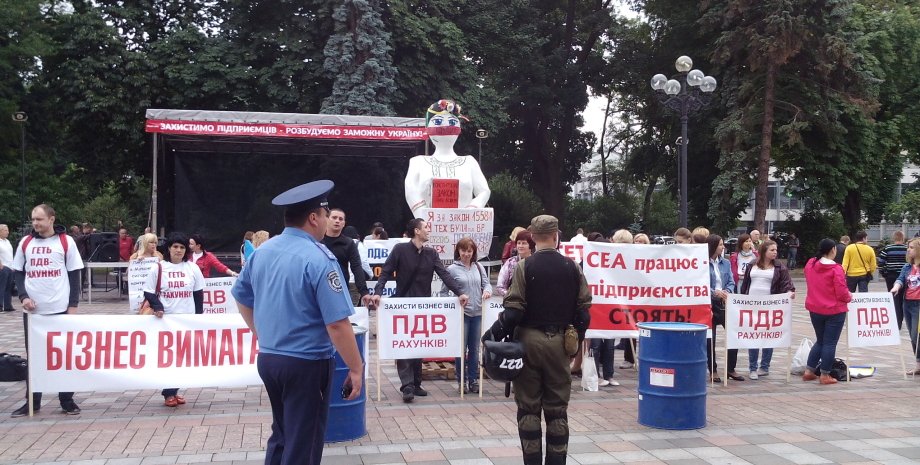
[(358, 59)]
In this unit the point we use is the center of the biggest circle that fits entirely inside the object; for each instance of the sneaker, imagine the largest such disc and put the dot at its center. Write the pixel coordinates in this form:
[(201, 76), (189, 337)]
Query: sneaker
[(626, 365), (762, 372), (70, 407), (474, 387), (603, 382), (614, 383), (24, 410), (753, 375), (408, 394), (420, 392)]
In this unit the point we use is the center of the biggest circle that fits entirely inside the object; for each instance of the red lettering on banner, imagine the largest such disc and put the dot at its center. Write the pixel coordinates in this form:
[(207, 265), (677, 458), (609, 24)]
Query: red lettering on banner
[(605, 260), (618, 317), (205, 348), (284, 130), (100, 350)]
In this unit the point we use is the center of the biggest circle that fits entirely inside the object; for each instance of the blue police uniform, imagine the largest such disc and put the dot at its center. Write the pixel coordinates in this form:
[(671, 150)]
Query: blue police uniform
[(293, 284)]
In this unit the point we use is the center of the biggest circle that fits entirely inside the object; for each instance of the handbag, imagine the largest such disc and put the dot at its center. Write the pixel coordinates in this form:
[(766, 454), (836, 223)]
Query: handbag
[(869, 275), (146, 309), (13, 367)]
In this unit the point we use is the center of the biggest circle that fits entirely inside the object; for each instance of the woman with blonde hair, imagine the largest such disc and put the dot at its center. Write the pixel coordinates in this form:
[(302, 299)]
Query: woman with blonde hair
[(622, 236), (146, 248), (909, 280), (141, 264), (641, 238), (259, 237)]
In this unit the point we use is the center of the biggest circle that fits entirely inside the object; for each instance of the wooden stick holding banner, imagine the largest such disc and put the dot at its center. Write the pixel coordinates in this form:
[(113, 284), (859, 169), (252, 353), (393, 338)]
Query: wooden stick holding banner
[(30, 383), (725, 353), (490, 310), (788, 357), (462, 375), (419, 327)]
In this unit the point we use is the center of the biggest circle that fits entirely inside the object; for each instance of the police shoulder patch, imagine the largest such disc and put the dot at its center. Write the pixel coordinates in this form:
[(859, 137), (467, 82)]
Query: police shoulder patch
[(325, 250), (335, 283)]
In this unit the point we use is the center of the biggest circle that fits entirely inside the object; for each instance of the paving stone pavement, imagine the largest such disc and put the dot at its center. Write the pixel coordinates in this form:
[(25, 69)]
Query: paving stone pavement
[(767, 421)]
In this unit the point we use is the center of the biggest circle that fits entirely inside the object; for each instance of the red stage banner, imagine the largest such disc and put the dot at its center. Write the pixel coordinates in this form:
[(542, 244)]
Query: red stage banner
[(304, 131)]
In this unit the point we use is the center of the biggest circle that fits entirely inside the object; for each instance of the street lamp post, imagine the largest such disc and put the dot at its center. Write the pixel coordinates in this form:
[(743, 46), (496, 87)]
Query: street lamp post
[(689, 92), (21, 117), (481, 134)]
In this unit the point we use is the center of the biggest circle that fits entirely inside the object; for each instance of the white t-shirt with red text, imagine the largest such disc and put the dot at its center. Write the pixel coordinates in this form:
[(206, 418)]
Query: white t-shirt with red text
[(46, 274), (177, 282)]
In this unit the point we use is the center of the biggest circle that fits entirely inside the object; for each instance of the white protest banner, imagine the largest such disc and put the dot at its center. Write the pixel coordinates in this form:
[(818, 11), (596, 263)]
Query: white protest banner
[(490, 312), (573, 250), (362, 319), (138, 271), (419, 327), (114, 353), (449, 225), (379, 250), (871, 320), (758, 321), (633, 283), (217, 296)]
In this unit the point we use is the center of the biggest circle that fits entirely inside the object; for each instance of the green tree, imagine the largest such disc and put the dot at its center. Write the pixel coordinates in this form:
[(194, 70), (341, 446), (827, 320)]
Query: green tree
[(513, 203), (543, 70), (789, 58), (358, 59)]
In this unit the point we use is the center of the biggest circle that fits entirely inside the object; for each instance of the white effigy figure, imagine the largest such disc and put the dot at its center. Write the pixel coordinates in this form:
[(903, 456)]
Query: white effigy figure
[(445, 179)]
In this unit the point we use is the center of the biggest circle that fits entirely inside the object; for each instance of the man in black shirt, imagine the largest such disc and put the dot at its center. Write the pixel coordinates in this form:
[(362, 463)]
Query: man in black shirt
[(414, 265), (346, 252)]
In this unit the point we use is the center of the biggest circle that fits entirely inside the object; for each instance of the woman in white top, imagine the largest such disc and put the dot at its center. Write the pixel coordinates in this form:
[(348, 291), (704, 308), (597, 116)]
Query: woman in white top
[(766, 276), (142, 263), (178, 288), (525, 246)]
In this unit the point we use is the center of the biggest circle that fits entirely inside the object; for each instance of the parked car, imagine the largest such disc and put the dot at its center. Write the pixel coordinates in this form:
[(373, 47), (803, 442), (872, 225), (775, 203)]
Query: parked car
[(656, 239), (730, 245)]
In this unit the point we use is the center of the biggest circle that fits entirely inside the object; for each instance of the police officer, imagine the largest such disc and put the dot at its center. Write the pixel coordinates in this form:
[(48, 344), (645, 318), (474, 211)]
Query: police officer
[(292, 296), (548, 293)]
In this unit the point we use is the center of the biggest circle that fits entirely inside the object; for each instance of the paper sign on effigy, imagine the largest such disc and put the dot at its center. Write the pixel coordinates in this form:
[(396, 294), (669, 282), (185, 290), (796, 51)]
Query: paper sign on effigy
[(448, 225)]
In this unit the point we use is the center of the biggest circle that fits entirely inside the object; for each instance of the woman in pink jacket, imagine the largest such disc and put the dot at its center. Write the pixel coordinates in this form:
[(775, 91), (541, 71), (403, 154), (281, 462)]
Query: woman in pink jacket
[(826, 302)]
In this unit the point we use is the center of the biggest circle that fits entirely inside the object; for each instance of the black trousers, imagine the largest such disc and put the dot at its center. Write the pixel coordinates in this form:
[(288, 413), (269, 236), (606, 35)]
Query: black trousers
[(890, 278), (718, 319), (37, 396), (299, 392)]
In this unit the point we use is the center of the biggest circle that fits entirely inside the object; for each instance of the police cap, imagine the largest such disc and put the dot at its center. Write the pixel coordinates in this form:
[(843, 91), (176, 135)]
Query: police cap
[(306, 196)]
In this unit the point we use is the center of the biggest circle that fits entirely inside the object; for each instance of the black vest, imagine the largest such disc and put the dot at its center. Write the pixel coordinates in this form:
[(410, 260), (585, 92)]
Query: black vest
[(551, 290)]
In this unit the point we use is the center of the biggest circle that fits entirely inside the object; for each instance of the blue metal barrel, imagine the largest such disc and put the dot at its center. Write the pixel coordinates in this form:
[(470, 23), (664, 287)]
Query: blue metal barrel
[(347, 418), (672, 375)]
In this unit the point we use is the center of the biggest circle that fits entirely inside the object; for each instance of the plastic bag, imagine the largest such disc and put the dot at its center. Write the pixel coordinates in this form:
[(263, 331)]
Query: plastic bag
[(800, 360), (589, 378)]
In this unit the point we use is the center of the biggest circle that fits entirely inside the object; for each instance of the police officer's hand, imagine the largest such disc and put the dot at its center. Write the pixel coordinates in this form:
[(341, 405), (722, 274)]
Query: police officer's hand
[(355, 380), (464, 299)]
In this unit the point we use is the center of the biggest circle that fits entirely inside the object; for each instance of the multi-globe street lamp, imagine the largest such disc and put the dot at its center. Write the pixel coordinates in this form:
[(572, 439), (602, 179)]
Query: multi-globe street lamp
[(21, 118), (684, 93)]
